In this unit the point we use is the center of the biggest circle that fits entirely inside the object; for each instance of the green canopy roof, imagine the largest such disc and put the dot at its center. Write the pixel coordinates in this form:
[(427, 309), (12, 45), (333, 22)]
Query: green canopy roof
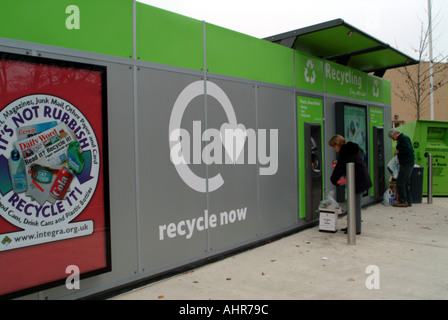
[(342, 43)]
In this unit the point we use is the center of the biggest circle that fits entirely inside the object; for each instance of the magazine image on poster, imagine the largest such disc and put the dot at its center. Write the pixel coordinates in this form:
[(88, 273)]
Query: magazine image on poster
[(54, 206)]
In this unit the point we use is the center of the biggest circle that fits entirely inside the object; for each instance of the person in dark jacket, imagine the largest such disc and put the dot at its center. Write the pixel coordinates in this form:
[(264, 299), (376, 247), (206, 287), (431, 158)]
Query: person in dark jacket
[(406, 158), (351, 152)]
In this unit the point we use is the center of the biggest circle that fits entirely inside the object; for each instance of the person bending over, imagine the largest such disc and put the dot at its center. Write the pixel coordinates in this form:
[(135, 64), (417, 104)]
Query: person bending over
[(351, 152)]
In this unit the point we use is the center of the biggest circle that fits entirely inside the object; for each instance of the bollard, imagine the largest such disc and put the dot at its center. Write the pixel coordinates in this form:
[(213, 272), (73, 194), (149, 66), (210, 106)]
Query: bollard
[(351, 205), (430, 178)]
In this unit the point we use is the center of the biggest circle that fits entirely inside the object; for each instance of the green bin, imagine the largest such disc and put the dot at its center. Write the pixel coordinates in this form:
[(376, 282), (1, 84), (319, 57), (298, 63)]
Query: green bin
[(430, 137)]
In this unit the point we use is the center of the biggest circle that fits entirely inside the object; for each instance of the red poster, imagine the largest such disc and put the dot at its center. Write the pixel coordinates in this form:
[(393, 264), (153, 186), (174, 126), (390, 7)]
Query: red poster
[(54, 198)]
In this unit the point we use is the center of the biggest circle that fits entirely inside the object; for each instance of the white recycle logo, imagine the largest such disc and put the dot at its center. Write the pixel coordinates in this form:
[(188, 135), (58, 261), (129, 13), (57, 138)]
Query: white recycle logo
[(376, 89), (310, 67), (232, 136)]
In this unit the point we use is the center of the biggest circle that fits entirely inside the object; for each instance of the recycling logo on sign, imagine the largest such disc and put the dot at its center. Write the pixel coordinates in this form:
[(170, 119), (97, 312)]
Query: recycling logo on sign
[(309, 70), (376, 89)]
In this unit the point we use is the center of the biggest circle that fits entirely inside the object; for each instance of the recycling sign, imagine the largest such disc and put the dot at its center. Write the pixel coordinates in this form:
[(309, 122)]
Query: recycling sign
[(375, 88), (310, 73)]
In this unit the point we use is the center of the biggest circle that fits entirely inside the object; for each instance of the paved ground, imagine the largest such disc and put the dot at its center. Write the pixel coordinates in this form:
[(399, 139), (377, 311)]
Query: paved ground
[(407, 247)]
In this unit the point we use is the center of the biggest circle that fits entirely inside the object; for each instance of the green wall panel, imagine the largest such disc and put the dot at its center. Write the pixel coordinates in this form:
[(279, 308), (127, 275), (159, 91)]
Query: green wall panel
[(169, 38), (102, 26), (239, 55)]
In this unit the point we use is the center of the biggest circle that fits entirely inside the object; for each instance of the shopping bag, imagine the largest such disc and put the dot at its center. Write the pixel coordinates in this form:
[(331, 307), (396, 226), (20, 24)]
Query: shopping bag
[(394, 167), (329, 202), (388, 197)]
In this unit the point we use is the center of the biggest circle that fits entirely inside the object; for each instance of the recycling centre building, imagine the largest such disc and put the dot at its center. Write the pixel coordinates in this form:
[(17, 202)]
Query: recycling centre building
[(137, 142)]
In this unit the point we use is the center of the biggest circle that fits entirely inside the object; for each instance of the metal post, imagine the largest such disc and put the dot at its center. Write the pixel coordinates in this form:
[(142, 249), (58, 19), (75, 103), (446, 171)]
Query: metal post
[(351, 217), (430, 178), (431, 71)]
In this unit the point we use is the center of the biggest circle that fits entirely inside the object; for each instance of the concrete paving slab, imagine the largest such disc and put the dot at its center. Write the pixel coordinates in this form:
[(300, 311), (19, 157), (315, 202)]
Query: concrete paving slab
[(402, 253)]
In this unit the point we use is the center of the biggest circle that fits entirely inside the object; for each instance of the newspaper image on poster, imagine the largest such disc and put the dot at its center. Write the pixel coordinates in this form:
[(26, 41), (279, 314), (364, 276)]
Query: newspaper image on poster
[(48, 148)]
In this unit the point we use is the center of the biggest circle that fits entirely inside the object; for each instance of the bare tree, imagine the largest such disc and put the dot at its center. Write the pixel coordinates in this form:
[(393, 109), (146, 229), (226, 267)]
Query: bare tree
[(417, 77)]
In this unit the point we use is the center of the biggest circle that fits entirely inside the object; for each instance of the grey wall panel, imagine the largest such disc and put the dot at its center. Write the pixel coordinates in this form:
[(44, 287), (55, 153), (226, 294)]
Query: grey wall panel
[(279, 192), (235, 202), (122, 182), (121, 155), (167, 204)]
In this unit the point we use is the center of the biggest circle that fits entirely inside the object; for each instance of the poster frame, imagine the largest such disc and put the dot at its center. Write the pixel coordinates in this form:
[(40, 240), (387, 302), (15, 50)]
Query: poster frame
[(104, 156), (340, 129)]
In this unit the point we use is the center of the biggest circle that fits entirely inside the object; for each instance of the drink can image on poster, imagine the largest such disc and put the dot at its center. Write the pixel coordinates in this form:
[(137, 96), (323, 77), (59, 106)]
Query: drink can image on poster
[(61, 184)]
